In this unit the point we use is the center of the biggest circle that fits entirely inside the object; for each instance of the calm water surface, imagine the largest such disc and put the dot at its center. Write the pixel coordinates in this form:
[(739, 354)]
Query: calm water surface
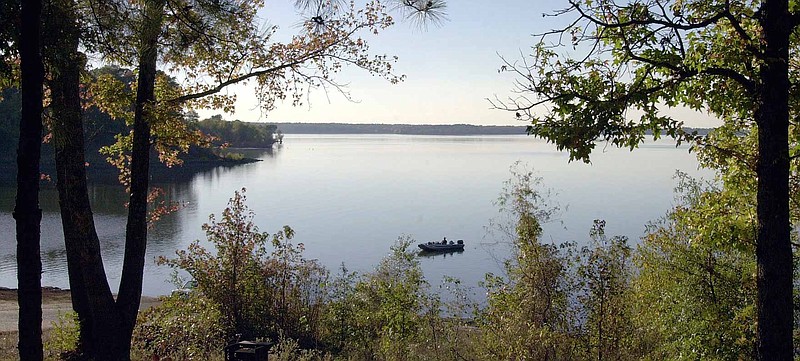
[(350, 197)]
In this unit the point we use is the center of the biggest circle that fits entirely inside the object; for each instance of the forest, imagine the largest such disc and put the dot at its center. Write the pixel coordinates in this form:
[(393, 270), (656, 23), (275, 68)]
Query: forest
[(713, 279), (101, 129), (239, 134)]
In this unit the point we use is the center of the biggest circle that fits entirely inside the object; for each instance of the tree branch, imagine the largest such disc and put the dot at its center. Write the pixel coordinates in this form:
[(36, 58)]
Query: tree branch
[(222, 85), (649, 21), (297, 61)]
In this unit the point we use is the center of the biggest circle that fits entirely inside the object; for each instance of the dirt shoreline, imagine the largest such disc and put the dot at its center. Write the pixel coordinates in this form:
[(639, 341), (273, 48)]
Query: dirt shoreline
[(55, 302)]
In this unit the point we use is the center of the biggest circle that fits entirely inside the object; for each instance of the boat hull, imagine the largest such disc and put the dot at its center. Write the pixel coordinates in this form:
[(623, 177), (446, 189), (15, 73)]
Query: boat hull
[(441, 247)]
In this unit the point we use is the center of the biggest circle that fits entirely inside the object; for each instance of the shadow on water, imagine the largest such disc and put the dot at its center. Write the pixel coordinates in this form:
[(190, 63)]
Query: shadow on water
[(100, 172), (439, 254), (108, 199)]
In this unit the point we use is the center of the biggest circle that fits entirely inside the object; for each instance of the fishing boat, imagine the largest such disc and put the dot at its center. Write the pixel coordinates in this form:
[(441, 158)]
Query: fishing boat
[(442, 246)]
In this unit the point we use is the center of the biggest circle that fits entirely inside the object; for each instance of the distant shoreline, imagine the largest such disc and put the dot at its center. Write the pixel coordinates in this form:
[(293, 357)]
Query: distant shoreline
[(406, 129), (413, 129)]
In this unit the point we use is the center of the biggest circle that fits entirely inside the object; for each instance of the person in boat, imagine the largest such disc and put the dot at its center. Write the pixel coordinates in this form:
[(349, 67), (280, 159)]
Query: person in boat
[(444, 240)]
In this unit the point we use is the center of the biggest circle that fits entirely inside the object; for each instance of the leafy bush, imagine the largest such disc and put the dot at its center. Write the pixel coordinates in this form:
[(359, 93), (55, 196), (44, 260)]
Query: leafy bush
[(287, 349), (63, 337), (234, 156), (448, 330), (554, 301), (697, 276), (182, 328), (258, 293), (605, 295), (528, 313), (378, 314)]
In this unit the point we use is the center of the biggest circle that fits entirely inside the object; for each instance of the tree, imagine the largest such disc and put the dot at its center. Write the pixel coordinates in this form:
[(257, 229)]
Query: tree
[(729, 58), (603, 274), (696, 284), (27, 213), (205, 40), (91, 296), (379, 314), (528, 313), (258, 293), (238, 134)]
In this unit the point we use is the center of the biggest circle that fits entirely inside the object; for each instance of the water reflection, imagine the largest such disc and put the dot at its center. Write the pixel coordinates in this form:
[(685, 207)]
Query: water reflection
[(349, 197), (443, 255), (108, 200)]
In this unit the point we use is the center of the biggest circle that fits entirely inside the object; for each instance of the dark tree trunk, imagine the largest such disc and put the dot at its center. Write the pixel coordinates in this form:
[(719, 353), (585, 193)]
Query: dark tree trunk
[(106, 324), (773, 247), (136, 231), (91, 295), (26, 211)]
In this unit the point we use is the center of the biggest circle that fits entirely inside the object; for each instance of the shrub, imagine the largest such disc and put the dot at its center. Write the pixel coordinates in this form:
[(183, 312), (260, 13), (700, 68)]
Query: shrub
[(258, 293), (287, 349), (379, 313), (696, 276), (63, 338), (528, 314), (604, 271), (182, 328)]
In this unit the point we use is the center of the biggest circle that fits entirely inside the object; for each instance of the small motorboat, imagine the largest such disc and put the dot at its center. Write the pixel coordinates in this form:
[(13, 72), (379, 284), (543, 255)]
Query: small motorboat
[(442, 246)]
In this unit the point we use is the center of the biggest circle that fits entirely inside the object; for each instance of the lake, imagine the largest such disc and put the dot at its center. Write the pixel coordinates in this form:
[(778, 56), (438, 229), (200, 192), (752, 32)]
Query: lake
[(349, 197)]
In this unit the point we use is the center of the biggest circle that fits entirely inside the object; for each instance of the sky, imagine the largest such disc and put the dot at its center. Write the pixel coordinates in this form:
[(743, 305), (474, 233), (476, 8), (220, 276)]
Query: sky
[(451, 69)]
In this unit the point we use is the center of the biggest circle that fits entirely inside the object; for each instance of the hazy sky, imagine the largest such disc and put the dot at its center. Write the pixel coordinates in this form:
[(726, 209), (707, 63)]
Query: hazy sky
[(450, 69)]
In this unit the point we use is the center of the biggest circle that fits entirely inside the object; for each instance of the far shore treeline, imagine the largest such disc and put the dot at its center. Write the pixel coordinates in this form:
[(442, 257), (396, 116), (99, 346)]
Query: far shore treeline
[(410, 129), (101, 129)]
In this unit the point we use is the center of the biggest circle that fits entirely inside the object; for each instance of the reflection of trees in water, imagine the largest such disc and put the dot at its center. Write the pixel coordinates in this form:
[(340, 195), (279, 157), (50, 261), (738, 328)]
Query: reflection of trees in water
[(108, 199), (258, 153), (166, 235), (211, 175), (110, 215)]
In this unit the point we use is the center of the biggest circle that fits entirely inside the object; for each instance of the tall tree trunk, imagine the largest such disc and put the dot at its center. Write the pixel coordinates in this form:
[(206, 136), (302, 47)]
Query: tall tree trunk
[(91, 296), (106, 324), (773, 247), (130, 290), (27, 213)]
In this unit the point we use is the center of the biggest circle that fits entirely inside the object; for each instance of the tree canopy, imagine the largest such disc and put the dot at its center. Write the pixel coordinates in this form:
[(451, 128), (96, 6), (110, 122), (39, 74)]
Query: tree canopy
[(732, 59), (208, 46)]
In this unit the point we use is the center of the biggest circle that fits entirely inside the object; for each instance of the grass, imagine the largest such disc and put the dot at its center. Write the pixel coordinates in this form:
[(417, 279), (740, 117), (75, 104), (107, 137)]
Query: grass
[(8, 349), (8, 346)]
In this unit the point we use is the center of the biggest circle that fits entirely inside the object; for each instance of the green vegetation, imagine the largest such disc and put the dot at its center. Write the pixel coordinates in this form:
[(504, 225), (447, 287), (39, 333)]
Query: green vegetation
[(107, 129), (237, 133), (687, 291), (259, 293), (211, 45), (63, 338), (609, 75), (182, 328), (697, 272)]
